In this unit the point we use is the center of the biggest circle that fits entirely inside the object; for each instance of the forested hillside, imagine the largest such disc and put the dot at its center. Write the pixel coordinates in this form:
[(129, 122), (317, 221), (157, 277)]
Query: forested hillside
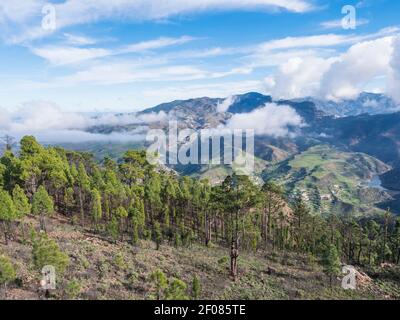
[(128, 225)]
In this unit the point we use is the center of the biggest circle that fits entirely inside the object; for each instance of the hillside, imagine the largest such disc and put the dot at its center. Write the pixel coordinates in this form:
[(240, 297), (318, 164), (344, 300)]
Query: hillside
[(127, 229), (102, 269), (331, 181)]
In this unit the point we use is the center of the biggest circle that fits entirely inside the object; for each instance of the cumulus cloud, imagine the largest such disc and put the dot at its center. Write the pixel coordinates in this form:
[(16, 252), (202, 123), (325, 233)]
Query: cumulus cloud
[(364, 61), (394, 84), (298, 77), (337, 77), (272, 119), (49, 123)]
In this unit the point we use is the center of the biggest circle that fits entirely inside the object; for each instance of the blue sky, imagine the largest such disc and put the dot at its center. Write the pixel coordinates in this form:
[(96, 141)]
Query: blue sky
[(128, 55)]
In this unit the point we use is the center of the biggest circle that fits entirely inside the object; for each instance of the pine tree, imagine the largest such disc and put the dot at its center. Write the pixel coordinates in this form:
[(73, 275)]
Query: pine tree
[(157, 234), (240, 194), (83, 182), (42, 205), (21, 202), (97, 211), (196, 288), (331, 262), (112, 228), (7, 272), (300, 213), (47, 252), (122, 214), (137, 222), (176, 290), (160, 282), (8, 213)]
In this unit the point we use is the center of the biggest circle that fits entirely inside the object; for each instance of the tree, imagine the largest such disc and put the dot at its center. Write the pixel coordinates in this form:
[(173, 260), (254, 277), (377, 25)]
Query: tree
[(42, 205), (160, 281), (8, 212), (29, 147), (300, 218), (196, 288), (112, 228), (137, 222), (7, 272), (157, 234), (122, 214), (97, 211), (385, 250), (240, 195), (47, 252), (83, 182), (372, 230), (8, 141), (21, 202), (152, 196), (272, 204), (10, 170), (331, 262), (176, 290)]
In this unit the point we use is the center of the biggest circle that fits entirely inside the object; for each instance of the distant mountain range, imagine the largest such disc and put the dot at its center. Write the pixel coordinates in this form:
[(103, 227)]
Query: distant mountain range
[(360, 139), (365, 103)]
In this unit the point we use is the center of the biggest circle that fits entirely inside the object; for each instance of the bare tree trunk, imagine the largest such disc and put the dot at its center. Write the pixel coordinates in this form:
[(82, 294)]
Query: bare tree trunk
[(5, 232), (234, 256), (81, 207), (42, 223)]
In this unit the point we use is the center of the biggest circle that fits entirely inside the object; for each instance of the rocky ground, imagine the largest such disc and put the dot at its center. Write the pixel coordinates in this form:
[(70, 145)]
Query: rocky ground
[(101, 269)]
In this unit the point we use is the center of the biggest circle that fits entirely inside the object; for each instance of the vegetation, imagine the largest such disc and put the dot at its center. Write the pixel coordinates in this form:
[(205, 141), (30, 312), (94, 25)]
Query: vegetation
[(7, 272), (130, 201)]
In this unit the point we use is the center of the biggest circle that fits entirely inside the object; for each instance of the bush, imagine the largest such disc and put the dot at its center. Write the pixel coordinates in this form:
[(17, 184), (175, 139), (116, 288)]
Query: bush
[(47, 252), (73, 289)]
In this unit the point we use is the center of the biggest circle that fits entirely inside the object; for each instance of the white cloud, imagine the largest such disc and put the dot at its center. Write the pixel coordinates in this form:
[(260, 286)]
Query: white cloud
[(298, 77), (155, 44), (364, 61), (337, 77), (67, 55), (394, 84), (49, 123), (25, 15), (76, 40), (61, 55), (4, 118), (272, 119), (224, 105), (279, 51)]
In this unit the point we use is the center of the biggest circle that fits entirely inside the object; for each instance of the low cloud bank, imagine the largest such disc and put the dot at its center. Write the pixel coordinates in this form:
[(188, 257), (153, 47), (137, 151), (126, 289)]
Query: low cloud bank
[(272, 119), (49, 123)]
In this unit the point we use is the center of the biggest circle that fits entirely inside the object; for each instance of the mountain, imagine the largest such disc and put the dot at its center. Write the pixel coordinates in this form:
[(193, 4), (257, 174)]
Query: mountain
[(369, 103), (248, 102), (344, 127), (376, 135), (330, 180)]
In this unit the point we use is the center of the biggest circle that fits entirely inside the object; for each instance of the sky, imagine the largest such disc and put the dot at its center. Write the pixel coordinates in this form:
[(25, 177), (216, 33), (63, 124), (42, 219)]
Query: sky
[(128, 55)]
